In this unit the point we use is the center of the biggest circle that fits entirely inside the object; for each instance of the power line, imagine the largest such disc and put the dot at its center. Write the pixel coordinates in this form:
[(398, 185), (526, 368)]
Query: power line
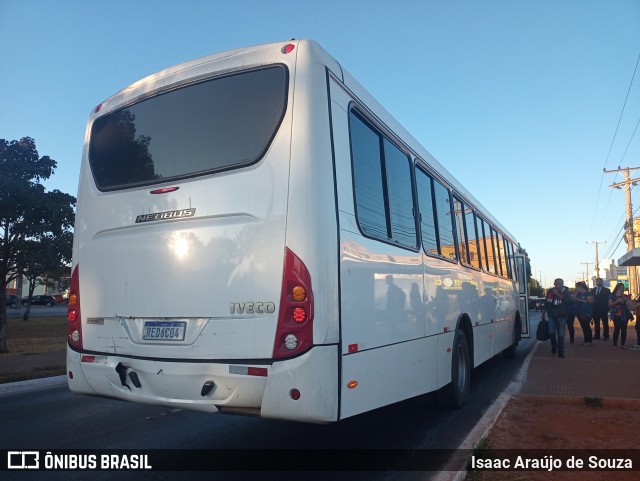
[(632, 136), (609, 153), (619, 235), (621, 113)]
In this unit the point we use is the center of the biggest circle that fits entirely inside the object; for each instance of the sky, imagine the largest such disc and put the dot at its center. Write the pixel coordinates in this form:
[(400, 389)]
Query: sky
[(524, 102)]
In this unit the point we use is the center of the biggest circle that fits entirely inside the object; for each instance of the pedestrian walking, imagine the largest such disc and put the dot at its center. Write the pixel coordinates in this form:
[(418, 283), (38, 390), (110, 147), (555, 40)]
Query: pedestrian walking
[(557, 304), (600, 310), (582, 301), (620, 314)]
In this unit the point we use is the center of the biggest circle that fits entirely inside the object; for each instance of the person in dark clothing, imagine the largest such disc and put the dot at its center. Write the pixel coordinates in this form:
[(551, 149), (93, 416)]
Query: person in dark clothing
[(557, 305), (619, 314), (571, 317), (582, 302), (600, 310)]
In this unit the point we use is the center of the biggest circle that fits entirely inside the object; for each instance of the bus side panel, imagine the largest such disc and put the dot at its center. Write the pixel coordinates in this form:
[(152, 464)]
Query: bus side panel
[(381, 292), (483, 343), (382, 381), (379, 306)]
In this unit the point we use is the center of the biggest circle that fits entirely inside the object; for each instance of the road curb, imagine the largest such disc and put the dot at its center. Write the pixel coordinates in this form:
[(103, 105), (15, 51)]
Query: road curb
[(32, 384), (484, 425)]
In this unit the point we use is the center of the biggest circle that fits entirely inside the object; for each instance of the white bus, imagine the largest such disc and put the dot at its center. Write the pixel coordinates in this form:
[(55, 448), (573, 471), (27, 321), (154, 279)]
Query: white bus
[(256, 234)]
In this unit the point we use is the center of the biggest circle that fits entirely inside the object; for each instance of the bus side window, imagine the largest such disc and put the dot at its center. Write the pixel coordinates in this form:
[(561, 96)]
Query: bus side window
[(472, 238), (496, 250), (446, 233), (382, 184), (400, 192), (458, 220), (491, 249), (510, 259), (367, 178), (482, 243), (427, 217), (503, 256), (435, 211)]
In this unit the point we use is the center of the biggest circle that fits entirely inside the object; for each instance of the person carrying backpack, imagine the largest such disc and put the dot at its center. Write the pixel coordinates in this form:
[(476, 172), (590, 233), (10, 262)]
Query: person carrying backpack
[(557, 304)]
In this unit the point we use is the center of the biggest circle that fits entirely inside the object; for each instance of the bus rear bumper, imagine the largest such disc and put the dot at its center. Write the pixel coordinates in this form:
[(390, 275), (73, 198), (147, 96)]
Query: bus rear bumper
[(213, 387)]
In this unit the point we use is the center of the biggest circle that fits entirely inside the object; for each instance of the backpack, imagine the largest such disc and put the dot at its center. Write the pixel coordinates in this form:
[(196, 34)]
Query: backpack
[(542, 333)]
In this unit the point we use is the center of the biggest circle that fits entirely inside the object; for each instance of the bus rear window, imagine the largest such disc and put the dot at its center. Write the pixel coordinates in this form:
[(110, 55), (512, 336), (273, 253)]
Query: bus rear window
[(216, 125)]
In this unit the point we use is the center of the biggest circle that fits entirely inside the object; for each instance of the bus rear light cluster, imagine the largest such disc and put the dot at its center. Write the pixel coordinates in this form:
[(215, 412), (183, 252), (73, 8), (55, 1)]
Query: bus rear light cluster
[(74, 325), (294, 333)]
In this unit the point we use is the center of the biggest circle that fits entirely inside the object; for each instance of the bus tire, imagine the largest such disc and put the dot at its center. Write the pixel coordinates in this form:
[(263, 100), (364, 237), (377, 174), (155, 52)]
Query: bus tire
[(510, 352), (455, 394)]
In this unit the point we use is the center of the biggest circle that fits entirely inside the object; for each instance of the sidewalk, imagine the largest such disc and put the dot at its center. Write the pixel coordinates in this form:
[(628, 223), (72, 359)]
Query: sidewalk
[(586, 372), (598, 371)]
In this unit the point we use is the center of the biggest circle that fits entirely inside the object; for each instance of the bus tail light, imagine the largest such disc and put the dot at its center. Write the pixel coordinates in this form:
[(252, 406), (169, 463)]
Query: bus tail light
[(74, 326), (294, 333), (288, 48)]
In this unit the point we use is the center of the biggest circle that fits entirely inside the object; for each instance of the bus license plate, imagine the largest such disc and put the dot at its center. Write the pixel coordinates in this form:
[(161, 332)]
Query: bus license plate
[(164, 331)]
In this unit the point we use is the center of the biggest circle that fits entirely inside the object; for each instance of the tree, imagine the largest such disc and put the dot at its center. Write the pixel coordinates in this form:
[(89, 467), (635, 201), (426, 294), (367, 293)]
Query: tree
[(43, 259), (535, 289), (527, 262), (28, 213)]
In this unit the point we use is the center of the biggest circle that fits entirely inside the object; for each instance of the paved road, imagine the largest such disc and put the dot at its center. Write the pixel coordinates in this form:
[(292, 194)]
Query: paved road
[(53, 418)]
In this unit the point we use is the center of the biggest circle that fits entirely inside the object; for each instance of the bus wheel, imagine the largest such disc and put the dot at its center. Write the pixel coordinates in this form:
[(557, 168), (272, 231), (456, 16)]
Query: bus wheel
[(510, 352), (456, 393)]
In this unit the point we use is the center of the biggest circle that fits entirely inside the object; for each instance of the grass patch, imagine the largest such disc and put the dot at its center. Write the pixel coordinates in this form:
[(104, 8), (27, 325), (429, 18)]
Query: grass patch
[(36, 373), (30, 344), (38, 334)]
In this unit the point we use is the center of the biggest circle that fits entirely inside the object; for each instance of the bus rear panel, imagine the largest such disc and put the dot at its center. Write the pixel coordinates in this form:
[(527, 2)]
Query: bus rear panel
[(186, 292)]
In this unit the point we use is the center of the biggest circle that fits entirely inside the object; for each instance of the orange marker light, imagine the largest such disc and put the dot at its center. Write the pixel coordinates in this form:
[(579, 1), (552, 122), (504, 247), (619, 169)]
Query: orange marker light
[(352, 384), (298, 293)]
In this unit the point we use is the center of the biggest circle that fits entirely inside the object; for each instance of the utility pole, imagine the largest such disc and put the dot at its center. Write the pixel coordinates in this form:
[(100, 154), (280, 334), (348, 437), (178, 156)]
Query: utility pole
[(630, 235), (597, 259), (586, 277)]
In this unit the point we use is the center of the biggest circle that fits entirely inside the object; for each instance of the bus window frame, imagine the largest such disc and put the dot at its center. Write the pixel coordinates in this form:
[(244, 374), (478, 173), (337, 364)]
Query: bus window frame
[(383, 134), (423, 167)]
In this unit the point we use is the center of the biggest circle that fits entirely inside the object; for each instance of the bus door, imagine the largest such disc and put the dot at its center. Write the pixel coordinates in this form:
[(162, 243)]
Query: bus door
[(523, 293)]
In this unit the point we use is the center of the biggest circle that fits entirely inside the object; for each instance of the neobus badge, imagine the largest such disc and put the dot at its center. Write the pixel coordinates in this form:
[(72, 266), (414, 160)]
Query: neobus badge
[(170, 214)]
